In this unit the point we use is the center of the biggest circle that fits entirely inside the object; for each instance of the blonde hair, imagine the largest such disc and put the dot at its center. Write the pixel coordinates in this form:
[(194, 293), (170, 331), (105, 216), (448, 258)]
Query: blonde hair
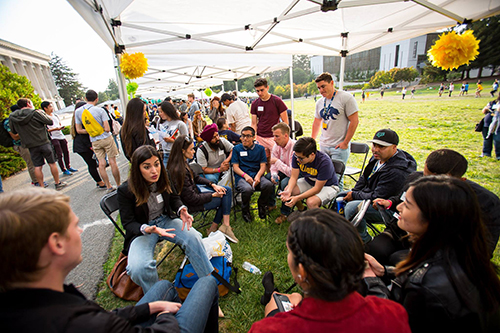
[(27, 219)]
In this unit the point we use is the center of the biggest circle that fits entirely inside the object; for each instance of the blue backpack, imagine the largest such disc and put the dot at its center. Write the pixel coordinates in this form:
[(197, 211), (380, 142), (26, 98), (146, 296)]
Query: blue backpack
[(186, 277)]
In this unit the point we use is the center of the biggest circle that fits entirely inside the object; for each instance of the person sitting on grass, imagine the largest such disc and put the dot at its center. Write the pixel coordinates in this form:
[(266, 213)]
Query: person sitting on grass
[(325, 258), (34, 266), (147, 203), (318, 183), (199, 193), (214, 154), (447, 282), (249, 164)]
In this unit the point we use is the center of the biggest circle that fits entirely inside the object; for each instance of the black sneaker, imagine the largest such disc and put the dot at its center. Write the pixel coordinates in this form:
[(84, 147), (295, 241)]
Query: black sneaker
[(247, 217), (263, 211)]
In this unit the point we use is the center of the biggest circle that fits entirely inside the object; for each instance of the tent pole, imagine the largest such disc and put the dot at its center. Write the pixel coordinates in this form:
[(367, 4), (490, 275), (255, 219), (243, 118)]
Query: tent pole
[(292, 125), (236, 85), (122, 87), (343, 55)]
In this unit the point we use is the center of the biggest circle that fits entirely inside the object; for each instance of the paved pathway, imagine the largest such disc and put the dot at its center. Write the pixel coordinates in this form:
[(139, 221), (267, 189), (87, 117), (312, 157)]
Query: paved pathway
[(97, 229)]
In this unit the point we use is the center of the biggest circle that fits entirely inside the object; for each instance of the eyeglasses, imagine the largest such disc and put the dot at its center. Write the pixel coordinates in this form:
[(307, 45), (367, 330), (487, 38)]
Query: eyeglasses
[(247, 136), (299, 158)]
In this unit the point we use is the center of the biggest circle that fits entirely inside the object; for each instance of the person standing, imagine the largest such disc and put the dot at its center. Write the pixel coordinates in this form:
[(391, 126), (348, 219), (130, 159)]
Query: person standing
[(194, 106), (491, 137), (31, 126), (413, 92), (24, 152), (58, 139), (338, 120), (236, 113), (479, 88), (93, 120), (495, 88), (403, 92), (266, 111), (451, 88), (83, 147), (441, 89)]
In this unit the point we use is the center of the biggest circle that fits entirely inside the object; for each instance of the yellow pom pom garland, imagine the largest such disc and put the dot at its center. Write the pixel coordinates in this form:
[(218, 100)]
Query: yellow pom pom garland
[(134, 65), (452, 50)]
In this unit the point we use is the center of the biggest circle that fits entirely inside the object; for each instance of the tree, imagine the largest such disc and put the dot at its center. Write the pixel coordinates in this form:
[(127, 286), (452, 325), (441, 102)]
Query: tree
[(312, 88), (103, 96), (112, 90), (486, 30), (279, 91), (12, 88), (406, 74), (303, 62), (380, 78), (67, 83), (433, 74)]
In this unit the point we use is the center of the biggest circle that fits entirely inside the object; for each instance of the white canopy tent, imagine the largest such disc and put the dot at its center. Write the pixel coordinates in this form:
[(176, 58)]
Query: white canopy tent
[(233, 28)]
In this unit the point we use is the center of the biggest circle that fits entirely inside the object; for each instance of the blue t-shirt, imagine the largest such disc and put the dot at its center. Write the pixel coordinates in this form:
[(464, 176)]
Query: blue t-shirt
[(229, 136), (249, 160), (319, 169)]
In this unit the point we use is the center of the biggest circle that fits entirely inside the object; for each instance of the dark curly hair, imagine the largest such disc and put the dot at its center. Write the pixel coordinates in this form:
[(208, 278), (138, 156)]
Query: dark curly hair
[(331, 251)]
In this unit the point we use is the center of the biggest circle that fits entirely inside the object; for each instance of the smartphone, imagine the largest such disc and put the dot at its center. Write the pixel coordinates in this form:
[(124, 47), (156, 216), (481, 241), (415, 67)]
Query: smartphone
[(283, 302)]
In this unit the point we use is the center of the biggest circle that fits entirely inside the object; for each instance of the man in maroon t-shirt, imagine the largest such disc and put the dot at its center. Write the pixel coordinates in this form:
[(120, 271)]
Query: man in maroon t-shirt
[(266, 112)]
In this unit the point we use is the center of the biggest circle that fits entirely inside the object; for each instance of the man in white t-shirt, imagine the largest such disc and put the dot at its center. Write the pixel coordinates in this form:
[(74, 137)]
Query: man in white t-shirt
[(102, 144), (58, 139), (236, 113), (337, 117)]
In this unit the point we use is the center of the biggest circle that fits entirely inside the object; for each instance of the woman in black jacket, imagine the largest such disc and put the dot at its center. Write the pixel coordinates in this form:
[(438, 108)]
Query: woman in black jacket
[(150, 212), (83, 147), (199, 193), (134, 132), (447, 282)]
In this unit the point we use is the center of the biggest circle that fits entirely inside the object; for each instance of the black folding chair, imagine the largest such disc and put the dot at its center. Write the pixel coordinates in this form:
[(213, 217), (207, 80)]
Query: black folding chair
[(357, 148), (198, 170), (109, 205)]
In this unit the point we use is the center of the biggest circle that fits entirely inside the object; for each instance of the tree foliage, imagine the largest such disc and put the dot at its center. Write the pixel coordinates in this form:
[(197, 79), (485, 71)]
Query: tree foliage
[(112, 90), (12, 88), (380, 78), (66, 80), (406, 74), (433, 74)]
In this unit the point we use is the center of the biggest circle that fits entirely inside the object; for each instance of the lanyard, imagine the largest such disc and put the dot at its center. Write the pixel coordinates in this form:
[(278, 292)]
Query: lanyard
[(331, 101)]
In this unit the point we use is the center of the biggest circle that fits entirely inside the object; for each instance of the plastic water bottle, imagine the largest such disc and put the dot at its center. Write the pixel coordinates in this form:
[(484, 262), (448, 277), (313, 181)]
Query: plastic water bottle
[(251, 268)]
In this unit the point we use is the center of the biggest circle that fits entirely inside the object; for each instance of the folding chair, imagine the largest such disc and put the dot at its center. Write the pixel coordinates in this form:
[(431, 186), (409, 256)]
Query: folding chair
[(339, 170), (109, 205), (235, 194), (357, 148), (198, 170)]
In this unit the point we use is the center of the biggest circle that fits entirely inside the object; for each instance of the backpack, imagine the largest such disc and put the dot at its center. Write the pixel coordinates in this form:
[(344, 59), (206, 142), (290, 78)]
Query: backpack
[(203, 148), (186, 277), (91, 125), (5, 138)]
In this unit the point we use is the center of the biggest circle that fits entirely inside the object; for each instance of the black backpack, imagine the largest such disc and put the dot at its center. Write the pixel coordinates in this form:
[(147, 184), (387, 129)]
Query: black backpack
[(5, 138)]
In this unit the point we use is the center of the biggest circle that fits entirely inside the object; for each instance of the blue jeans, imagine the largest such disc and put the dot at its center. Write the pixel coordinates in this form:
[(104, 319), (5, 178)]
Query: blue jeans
[(488, 143), (1, 185), (338, 154), (213, 177), (198, 313), (351, 209), (285, 210), (166, 154), (265, 187), (223, 205), (141, 263)]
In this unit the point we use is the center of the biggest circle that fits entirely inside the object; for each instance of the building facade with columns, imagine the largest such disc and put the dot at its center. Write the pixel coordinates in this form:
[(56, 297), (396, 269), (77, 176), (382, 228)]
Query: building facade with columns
[(35, 67)]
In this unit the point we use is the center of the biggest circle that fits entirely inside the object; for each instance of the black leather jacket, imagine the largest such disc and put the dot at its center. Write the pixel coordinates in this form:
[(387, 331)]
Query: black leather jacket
[(430, 295)]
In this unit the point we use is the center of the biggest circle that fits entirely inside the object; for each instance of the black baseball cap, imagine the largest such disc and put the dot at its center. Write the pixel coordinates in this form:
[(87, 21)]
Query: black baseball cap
[(385, 137), (226, 97)]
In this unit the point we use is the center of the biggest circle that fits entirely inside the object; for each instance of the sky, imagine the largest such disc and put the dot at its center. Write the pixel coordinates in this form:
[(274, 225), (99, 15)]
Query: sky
[(53, 26)]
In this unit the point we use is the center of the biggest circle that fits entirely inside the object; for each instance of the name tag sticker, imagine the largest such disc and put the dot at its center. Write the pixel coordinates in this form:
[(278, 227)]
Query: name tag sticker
[(159, 198), (221, 152), (260, 108), (243, 153)]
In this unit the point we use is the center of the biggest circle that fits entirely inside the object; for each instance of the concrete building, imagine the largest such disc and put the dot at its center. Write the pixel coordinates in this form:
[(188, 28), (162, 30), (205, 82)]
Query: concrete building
[(407, 53), (35, 67)]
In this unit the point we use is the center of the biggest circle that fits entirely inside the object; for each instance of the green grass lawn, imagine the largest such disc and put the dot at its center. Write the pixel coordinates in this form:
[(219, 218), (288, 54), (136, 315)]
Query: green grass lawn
[(424, 124)]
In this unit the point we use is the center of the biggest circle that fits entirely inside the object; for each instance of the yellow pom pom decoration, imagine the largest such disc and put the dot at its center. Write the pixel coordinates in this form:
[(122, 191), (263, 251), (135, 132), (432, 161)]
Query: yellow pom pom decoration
[(452, 50), (134, 65)]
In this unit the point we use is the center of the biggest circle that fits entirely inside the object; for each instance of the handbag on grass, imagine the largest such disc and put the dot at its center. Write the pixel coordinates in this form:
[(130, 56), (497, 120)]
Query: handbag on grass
[(121, 284), (479, 126)]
